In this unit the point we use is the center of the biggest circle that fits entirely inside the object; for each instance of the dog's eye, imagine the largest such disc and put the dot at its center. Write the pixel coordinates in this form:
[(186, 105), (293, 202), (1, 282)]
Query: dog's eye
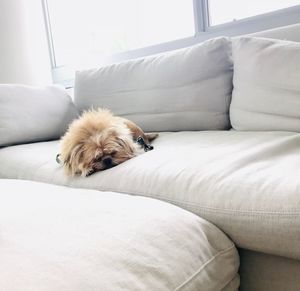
[(113, 153), (98, 159)]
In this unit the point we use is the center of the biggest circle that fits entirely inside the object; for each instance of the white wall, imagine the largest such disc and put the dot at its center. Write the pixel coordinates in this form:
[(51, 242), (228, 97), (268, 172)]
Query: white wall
[(24, 56)]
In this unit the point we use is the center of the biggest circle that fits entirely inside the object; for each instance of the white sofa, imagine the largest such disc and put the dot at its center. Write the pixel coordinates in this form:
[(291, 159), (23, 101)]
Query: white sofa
[(244, 180)]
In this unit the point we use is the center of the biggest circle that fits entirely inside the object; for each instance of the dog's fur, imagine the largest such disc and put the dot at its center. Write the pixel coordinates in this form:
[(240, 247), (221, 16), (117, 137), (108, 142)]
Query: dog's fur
[(99, 140)]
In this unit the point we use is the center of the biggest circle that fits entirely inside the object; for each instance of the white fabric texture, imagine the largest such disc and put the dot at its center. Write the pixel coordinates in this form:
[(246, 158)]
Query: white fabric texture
[(58, 238), (246, 183), (30, 114), (266, 94), (188, 89)]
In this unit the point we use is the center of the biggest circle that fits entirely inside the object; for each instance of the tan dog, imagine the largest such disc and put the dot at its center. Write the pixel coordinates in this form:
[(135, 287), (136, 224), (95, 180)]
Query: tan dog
[(98, 140)]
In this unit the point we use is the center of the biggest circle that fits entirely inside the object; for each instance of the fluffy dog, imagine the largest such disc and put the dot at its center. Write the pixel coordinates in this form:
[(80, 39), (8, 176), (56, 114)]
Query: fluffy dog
[(98, 140)]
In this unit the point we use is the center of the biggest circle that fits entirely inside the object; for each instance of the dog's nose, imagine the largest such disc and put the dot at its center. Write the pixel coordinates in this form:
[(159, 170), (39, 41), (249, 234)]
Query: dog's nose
[(107, 162)]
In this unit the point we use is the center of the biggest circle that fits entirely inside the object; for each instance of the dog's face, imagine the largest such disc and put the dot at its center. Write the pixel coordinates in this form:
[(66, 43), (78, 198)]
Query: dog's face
[(93, 144), (102, 151)]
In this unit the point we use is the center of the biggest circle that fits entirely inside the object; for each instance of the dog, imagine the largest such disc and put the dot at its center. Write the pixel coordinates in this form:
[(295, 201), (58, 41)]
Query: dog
[(98, 140)]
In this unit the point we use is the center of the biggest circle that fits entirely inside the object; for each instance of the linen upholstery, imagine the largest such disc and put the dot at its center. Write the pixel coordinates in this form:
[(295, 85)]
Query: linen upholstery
[(58, 238), (266, 94), (29, 114), (246, 183), (188, 89)]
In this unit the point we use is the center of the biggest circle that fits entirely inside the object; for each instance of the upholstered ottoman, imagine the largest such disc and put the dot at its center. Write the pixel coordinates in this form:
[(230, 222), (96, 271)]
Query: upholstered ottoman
[(59, 238)]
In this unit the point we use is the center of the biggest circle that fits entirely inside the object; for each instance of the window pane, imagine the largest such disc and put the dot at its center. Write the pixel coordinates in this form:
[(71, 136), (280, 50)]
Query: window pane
[(83, 30), (230, 10)]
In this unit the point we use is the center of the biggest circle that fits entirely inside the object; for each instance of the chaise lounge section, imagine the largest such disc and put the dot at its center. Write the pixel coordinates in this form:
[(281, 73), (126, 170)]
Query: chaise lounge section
[(59, 238)]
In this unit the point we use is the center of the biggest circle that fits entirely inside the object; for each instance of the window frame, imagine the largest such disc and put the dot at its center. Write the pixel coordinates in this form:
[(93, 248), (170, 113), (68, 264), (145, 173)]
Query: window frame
[(287, 16)]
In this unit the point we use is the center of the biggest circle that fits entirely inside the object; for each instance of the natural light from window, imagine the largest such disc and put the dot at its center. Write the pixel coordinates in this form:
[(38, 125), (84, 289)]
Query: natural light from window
[(223, 11), (86, 30)]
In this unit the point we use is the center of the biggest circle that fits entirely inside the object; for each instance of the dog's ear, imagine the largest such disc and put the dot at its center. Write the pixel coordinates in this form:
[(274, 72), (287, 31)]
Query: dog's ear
[(71, 159), (136, 131), (151, 136), (65, 161)]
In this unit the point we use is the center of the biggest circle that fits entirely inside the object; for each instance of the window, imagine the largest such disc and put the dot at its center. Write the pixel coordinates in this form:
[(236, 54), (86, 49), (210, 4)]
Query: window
[(86, 30), (231, 10), (90, 33)]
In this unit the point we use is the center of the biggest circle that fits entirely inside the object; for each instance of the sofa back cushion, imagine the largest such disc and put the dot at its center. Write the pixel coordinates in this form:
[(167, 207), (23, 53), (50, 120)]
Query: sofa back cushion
[(29, 114), (289, 32), (266, 94), (187, 89)]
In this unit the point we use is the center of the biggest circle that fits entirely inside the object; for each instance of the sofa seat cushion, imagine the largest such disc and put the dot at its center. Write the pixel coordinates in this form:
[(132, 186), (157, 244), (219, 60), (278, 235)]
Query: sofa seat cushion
[(247, 183), (58, 238)]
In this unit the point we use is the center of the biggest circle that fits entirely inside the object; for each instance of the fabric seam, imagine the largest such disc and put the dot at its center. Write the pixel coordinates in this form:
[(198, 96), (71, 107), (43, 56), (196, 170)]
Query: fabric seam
[(288, 213), (192, 277)]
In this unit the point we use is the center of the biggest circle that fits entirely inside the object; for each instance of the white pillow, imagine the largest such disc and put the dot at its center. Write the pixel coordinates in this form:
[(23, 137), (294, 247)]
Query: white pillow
[(266, 94), (29, 114), (188, 89)]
